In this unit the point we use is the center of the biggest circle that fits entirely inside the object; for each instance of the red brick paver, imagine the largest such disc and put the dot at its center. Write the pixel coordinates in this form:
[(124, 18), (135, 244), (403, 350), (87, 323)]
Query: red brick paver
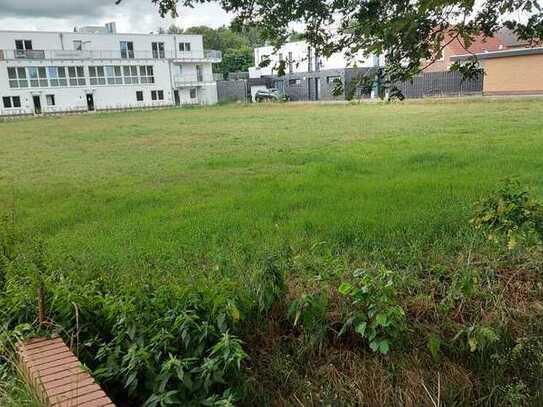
[(57, 376)]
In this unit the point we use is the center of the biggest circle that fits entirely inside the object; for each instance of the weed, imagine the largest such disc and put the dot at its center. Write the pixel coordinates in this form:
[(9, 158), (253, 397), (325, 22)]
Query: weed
[(374, 311), (309, 312), (511, 214)]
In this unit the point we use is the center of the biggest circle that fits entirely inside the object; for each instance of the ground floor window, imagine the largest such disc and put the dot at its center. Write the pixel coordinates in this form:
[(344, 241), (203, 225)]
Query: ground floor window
[(50, 99), (139, 96), (11, 101), (193, 93), (294, 82), (157, 95)]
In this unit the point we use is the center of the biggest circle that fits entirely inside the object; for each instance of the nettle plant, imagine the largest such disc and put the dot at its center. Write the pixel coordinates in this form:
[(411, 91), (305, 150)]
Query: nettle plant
[(374, 310), (511, 215)]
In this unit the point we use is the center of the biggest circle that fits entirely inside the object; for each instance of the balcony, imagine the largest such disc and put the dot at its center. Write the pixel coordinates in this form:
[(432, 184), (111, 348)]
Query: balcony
[(196, 56), (191, 81)]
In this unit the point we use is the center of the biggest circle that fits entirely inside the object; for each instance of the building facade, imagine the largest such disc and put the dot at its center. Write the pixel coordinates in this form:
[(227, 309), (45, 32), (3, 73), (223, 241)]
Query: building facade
[(300, 57), (96, 68), (307, 75), (516, 71)]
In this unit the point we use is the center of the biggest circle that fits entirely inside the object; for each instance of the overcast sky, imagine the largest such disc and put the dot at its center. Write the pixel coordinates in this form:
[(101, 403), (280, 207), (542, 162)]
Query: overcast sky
[(130, 15)]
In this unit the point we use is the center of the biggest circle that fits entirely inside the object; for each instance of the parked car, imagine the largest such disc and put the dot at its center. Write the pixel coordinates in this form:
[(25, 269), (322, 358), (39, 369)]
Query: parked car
[(268, 95)]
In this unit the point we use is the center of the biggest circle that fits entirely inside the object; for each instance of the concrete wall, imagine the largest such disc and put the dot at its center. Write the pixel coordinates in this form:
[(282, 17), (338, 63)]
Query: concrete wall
[(515, 75)]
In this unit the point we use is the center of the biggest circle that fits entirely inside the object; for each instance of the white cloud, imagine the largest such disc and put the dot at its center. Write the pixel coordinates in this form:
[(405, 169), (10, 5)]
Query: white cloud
[(130, 16)]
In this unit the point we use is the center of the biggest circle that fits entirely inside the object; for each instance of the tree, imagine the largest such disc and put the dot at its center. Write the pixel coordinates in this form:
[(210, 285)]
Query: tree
[(412, 33), (236, 44)]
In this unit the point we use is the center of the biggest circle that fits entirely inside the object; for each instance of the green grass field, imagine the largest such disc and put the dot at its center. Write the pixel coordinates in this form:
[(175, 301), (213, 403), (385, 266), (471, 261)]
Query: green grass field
[(159, 188), (201, 196)]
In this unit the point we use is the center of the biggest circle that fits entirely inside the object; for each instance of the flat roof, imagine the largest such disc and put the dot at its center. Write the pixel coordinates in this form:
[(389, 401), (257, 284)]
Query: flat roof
[(95, 33), (500, 54)]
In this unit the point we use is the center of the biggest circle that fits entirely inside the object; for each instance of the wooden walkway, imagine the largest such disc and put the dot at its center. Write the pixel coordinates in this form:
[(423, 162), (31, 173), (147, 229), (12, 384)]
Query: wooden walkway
[(56, 375)]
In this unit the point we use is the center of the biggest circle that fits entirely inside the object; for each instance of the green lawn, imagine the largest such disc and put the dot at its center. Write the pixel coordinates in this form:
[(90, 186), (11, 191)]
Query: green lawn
[(186, 188), (166, 232)]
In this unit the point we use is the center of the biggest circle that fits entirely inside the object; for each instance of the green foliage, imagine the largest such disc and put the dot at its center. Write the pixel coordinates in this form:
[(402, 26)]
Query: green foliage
[(510, 214), (149, 345), (434, 344), (269, 284), (309, 312), (374, 311), (412, 34), (478, 337)]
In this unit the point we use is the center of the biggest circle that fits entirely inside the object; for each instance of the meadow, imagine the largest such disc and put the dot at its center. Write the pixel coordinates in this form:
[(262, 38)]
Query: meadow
[(207, 199)]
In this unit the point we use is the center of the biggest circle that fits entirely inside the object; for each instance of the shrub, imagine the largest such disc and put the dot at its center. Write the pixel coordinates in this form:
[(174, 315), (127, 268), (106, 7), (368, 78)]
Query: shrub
[(309, 312), (374, 311), (149, 345), (511, 214)]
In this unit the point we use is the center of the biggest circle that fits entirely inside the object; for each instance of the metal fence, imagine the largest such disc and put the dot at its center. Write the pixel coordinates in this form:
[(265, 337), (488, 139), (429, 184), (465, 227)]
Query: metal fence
[(432, 84), (232, 90)]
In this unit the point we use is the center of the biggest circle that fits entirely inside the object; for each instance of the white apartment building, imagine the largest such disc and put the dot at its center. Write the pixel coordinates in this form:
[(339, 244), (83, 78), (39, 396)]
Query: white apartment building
[(95, 68), (300, 57)]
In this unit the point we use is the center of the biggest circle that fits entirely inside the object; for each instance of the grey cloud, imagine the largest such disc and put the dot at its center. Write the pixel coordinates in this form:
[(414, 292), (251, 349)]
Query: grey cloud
[(130, 15), (56, 8)]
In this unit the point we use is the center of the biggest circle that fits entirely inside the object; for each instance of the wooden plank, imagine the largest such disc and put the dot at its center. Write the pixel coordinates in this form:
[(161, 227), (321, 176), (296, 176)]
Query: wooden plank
[(57, 376)]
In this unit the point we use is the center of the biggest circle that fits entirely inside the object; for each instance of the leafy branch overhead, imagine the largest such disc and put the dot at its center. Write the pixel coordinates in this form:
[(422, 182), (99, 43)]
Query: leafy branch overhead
[(410, 32)]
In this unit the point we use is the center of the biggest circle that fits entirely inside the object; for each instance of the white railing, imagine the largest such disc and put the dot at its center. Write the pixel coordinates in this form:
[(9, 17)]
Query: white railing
[(191, 80), (36, 54)]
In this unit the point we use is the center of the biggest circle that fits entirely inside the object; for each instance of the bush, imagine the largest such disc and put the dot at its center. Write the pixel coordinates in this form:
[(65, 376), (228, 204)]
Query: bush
[(510, 214), (374, 312), (147, 344)]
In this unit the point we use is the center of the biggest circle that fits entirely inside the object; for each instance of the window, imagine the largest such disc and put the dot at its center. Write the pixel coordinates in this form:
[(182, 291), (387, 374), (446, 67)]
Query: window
[(127, 49), (193, 93), (38, 76), (157, 95), (184, 46), (57, 76), (294, 82), (332, 79), (199, 73), (78, 45), (23, 44), (11, 101), (158, 49), (17, 78), (114, 75), (146, 74), (130, 74), (97, 75), (280, 57), (50, 99), (139, 96), (77, 76)]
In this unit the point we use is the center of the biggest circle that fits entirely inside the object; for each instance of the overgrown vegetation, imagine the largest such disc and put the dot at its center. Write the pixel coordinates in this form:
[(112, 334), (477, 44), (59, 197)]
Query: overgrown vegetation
[(356, 279)]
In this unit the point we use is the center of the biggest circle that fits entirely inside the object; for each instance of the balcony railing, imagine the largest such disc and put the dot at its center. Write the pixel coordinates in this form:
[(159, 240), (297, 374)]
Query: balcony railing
[(182, 56), (191, 80)]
